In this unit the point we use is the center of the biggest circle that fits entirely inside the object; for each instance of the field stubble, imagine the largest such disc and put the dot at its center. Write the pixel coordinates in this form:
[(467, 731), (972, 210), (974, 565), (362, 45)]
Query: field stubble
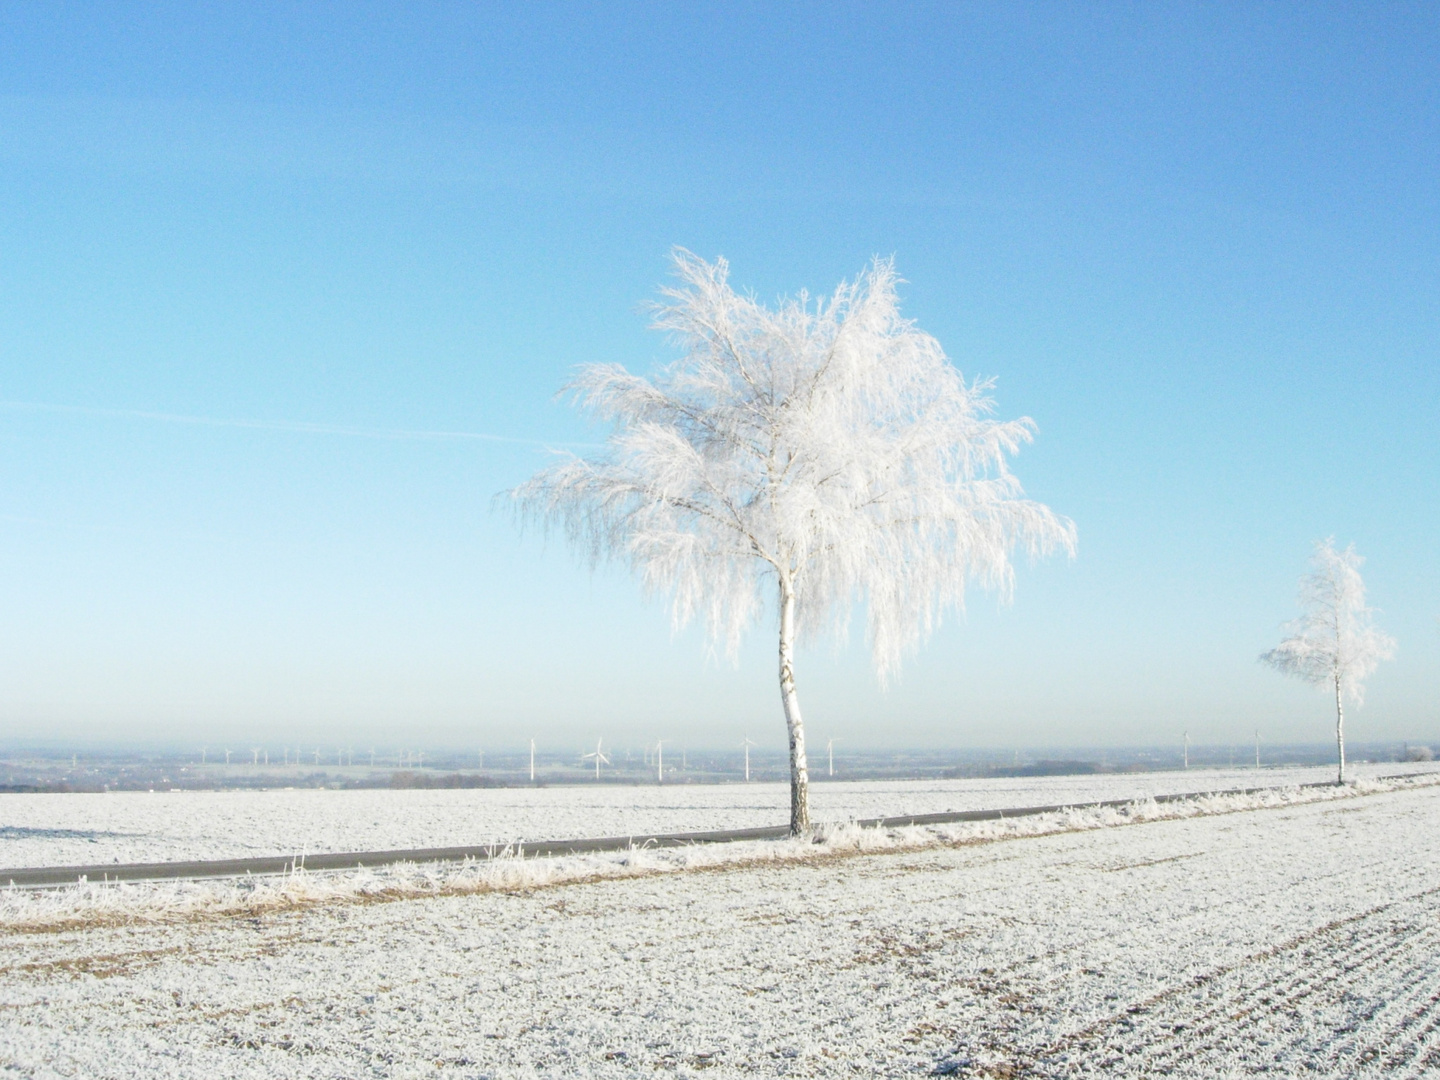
[(1293, 940)]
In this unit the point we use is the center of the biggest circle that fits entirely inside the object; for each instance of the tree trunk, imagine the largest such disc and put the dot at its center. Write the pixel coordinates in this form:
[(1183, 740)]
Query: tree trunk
[(799, 767), (1339, 730)]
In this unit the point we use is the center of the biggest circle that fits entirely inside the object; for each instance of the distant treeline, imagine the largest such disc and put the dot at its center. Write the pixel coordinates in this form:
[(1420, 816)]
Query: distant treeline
[(407, 779), (1054, 768)]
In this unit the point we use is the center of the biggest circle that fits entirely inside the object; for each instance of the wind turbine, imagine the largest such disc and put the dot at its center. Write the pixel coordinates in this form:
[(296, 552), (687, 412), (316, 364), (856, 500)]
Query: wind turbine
[(255, 754), (1257, 748), (1187, 749), (659, 761), (202, 755), (598, 756), (532, 761), (227, 757), (747, 744), (830, 750)]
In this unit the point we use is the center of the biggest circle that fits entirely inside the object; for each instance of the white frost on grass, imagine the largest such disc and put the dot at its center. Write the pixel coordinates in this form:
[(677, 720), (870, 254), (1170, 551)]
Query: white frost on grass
[(1293, 941), (101, 903), (88, 829)]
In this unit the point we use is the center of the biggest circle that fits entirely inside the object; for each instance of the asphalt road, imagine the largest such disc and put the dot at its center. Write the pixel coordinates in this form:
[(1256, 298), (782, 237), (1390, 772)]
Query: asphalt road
[(41, 877)]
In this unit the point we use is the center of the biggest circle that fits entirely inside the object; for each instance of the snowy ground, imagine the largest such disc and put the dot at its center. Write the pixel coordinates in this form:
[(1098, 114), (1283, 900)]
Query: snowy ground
[(83, 829), (1299, 940)]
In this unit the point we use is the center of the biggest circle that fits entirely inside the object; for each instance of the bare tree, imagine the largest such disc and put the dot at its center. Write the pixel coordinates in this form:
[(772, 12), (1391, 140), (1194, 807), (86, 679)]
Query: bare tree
[(823, 453), (1333, 642)]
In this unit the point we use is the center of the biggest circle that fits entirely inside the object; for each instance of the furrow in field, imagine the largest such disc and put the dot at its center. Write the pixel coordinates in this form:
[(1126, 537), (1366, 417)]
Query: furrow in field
[(1399, 1028), (1048, 988), (1341, 1000), (1277, 891)]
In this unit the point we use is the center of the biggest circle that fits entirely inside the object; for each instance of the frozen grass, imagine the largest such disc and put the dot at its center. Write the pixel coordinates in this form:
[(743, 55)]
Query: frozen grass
[(1294, 940), (85, 829), (99, 903)]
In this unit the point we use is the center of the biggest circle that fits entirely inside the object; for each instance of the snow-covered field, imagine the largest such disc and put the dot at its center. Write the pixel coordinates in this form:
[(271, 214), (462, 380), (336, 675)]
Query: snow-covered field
[(1293, 940), (82, 829)]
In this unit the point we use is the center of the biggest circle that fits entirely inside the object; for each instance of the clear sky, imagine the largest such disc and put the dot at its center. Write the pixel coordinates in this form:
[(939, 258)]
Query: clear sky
[(245, 248)]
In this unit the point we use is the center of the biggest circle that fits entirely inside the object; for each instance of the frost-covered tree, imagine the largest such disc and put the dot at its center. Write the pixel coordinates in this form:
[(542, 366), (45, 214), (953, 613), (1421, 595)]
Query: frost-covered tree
[(817, 454), (1333, 643)]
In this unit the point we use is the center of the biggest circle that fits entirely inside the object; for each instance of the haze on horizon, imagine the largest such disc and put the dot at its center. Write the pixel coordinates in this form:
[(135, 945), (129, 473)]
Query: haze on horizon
[(288, 294)]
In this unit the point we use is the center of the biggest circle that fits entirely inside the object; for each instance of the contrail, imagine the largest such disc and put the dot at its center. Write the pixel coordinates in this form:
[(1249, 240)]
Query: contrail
[(297, 426)]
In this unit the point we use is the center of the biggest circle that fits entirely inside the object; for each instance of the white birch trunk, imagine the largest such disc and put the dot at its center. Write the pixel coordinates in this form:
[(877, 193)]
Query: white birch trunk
[(1339, 729), (799, 767)]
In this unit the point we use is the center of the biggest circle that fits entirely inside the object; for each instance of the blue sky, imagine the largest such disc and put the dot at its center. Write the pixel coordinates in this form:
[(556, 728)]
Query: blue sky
[(1198, 244)]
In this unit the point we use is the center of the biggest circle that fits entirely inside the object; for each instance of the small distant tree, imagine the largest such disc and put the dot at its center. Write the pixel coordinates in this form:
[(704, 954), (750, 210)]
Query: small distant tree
[(1333, 643), (820, 453)]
